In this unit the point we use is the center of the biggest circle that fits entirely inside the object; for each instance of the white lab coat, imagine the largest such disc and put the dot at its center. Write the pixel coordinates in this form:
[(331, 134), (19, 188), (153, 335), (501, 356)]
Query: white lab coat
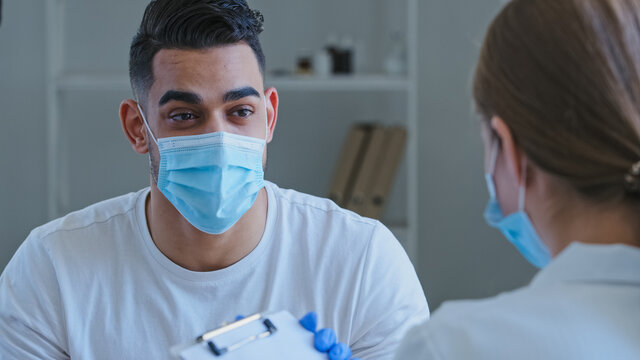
[(584, 305)]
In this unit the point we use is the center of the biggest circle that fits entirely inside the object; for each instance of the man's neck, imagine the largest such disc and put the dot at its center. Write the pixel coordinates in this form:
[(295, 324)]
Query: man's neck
[(195, 250)]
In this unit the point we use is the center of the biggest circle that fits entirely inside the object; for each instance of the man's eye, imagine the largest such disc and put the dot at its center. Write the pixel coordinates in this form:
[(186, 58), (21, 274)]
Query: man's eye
[(242, 113), (182, 117)]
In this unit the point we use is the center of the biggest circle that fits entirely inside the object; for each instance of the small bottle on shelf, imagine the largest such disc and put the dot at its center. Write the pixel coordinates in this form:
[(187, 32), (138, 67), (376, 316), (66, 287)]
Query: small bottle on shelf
[(395, 61), (322, 63)]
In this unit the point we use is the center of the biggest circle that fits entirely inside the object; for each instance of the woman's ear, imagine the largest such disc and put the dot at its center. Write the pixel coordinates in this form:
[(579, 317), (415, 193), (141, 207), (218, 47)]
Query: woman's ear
[(133, 126), (512, 154)]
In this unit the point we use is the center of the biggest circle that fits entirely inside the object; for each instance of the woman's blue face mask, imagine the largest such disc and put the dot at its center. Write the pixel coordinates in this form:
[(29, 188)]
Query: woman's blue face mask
[(517, 227)]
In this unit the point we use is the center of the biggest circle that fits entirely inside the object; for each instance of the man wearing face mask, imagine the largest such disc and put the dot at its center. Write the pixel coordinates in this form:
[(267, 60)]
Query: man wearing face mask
[(210, 238)]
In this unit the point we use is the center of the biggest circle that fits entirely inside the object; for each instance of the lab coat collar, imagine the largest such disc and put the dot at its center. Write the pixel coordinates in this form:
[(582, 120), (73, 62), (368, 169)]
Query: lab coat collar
[(594, 264)]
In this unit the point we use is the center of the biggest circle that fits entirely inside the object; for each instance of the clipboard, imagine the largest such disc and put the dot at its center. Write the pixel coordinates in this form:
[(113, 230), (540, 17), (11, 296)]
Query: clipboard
[(274, 336)]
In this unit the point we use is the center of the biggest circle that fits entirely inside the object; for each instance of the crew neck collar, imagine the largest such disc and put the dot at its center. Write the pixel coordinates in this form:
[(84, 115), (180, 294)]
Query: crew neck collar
[(228, 273), (579, 262)]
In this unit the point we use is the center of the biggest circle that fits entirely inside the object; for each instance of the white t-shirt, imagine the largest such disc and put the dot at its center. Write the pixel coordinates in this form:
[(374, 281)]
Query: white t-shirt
[(585, 305), (93, 285)]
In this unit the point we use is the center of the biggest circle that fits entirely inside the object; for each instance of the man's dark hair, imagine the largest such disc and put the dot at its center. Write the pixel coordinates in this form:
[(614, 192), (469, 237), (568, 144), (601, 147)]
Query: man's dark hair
[(190, 24)]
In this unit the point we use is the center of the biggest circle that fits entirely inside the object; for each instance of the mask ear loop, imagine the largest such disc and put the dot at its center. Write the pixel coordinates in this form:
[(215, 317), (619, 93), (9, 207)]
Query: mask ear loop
[(144, 120), (266, 121), (146, 123), (494, 157), (523, 186), (492, 165)]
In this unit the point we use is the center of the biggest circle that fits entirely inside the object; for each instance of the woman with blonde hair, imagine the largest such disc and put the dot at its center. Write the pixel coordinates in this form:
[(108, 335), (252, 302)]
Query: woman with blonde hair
[(558, 87)]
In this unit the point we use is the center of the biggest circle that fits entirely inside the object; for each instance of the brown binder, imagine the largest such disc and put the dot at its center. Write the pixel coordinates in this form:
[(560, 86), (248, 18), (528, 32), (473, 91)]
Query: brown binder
[(365, 178), (348, 164), (389, 160)]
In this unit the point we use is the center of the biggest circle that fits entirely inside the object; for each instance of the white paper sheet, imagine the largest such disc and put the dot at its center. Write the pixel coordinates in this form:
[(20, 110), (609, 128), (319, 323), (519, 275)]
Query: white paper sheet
[(290, 341)]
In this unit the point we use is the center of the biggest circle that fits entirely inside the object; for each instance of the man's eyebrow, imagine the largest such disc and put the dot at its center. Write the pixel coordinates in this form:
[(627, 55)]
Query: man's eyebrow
[(184, 96), (240, 93)]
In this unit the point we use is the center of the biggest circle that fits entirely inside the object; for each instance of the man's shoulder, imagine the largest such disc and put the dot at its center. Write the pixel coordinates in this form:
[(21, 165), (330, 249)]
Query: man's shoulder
[(321, 224), (314, 206), (90, 218)]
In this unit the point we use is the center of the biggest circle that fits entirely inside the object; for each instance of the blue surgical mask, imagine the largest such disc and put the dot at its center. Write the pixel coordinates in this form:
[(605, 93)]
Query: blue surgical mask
[(516, 227), (211, 179)]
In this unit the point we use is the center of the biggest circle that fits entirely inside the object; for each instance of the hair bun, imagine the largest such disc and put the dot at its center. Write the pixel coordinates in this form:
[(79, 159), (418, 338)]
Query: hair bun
[(258, 18), (632, 179)]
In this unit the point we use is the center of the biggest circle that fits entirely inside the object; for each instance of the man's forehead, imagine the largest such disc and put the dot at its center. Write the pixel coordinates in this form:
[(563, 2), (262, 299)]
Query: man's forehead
[(215, 69), (238, 52)]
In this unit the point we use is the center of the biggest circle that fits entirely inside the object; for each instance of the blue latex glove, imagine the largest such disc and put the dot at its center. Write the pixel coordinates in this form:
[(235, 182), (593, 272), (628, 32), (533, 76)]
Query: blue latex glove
[(325, 340), (339, 351)]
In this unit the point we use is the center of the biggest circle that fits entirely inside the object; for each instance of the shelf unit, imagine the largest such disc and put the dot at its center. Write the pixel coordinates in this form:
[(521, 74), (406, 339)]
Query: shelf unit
[(98, 82), (60, 82)]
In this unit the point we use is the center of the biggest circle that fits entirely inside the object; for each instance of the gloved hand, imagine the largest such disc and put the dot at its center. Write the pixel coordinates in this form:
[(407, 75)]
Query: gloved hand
[(325, 340)]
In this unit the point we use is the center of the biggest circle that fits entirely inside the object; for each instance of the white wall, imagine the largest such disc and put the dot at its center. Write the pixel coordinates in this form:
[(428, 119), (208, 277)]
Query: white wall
[(460, 256), (23, 200)]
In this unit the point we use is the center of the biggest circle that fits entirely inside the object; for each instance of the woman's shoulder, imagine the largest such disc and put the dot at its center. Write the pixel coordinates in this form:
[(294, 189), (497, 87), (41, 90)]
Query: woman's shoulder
[(473, 329), (551, 322)]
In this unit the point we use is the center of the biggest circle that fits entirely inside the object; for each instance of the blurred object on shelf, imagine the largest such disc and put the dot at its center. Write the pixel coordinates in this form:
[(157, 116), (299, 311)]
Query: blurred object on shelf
[(344, 57), (333, 49), (395, 61), (367, 167), (304, 63), (341, 52), (322, 65)]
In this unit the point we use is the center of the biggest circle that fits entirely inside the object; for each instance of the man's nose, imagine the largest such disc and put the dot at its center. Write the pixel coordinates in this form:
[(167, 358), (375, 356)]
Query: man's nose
[(216, 123)]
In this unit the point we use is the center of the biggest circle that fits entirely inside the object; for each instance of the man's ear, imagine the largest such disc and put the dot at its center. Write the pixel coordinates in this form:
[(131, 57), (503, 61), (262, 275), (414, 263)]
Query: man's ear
[(513, 155), (271, 97), (133, 126)]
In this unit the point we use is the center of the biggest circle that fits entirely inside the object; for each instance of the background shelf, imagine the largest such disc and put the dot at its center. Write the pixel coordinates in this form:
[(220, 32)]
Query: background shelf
[(340, 83), (107, 82)]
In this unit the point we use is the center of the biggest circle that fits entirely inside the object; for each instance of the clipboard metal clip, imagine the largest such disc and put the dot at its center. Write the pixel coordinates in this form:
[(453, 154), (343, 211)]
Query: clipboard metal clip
[(219, 351)]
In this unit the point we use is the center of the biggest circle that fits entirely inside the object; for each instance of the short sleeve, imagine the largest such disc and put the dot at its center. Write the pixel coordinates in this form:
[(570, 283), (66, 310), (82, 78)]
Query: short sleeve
[(391, 299), (31, 314)]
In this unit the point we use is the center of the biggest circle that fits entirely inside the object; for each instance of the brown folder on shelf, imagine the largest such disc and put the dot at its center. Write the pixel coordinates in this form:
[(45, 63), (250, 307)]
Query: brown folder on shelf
[(365, 177), (390, 157), (348, 164)]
